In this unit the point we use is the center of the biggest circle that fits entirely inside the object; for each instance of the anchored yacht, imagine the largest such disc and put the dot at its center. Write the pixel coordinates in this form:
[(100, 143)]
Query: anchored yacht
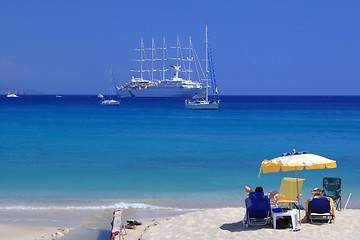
[(11, 95), (206, 103)]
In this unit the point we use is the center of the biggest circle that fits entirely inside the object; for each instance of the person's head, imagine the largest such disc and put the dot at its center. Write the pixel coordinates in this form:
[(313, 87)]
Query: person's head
[(316, 191), (259, 189)]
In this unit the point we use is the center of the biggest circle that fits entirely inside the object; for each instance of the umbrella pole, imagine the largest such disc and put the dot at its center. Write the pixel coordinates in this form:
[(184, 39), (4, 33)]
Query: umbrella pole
[(298, 195)]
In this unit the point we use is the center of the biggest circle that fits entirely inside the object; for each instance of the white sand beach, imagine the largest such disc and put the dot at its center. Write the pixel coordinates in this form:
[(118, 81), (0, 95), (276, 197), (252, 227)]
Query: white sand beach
[(220, 223), (225, 223)]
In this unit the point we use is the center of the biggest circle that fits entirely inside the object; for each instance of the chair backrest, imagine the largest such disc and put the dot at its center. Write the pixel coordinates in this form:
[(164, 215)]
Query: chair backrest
[(332, 186), (258, 205), (319, 205), (288, 189)]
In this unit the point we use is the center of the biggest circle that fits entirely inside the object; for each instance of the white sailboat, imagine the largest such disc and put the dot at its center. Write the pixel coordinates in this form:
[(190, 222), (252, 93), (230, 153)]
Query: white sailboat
[(204, 103), (110, 101)]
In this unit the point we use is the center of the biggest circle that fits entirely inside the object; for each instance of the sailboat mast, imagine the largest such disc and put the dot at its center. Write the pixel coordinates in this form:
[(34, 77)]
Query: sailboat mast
[(207, 67), (113, 81)]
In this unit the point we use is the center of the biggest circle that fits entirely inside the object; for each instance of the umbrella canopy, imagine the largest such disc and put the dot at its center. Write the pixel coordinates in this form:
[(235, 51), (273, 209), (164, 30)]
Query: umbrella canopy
[(294, 161)]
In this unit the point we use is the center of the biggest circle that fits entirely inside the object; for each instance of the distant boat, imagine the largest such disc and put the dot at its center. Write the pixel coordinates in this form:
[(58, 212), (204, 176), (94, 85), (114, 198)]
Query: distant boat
[(203, 103), (12, 95), (110, 101), (100, 96), (58, 96)]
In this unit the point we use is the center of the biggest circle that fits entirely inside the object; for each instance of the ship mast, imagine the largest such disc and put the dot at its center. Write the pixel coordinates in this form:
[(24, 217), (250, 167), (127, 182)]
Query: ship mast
[(152, 58), (207, 67), (189, 58), (177, 51), (141, 60), (164, 48)]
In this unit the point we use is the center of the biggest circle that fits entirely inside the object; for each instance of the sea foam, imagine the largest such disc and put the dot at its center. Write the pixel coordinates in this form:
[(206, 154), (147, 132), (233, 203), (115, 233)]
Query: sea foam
[(122, 205)]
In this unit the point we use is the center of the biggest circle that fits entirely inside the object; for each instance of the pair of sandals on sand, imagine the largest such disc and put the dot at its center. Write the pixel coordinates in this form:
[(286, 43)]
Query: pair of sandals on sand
[(132, 224)]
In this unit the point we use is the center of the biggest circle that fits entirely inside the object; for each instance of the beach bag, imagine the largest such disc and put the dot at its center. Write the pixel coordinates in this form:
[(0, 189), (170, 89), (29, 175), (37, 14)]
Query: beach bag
[(284, 222)]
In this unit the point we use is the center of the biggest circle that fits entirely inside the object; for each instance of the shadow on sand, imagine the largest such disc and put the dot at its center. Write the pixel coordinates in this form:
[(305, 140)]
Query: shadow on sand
[(104, 234), (238, 227)]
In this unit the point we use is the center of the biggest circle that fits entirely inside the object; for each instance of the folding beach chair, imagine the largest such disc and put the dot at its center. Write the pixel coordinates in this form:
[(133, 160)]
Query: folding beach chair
[(290, 190), (258, 210), (332, 188), (319, 209)]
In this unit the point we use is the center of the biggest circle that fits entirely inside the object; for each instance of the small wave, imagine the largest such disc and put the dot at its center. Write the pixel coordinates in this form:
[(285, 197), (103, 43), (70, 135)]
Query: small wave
[(122, 205)]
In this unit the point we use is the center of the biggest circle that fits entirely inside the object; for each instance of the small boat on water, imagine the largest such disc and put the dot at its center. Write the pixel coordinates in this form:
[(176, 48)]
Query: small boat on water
[(204, 103), (110, 101), (11, 95), (58, 96)]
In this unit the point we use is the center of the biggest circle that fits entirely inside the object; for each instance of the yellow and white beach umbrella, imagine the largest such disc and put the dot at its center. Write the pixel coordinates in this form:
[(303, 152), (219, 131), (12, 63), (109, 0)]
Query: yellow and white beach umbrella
[(295, 161)]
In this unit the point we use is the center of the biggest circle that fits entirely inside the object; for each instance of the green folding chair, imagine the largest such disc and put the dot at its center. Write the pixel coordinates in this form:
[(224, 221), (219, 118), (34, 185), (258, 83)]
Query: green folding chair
[(332, 188)]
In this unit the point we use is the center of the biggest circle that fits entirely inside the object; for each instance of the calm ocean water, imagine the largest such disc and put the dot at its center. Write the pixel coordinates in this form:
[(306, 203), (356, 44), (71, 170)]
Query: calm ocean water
[(72, 151)]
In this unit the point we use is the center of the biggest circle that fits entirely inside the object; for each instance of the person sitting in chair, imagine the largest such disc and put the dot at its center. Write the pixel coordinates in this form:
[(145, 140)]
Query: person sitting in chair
[(260, 189), (317, 193)]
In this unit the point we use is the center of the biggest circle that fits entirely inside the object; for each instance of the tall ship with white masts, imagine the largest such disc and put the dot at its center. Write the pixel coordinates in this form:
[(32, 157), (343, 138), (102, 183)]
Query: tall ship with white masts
[(153, 81)]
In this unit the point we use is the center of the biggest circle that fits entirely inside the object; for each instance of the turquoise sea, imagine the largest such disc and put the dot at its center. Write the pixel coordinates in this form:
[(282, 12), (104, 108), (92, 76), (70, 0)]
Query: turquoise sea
[(72, 152)]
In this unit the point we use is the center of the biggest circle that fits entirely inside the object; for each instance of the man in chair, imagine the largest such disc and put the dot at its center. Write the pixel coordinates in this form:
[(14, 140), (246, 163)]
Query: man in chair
[(260, 189), (317, 193)]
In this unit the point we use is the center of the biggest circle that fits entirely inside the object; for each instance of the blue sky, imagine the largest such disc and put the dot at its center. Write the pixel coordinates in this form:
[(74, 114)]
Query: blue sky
[(259, 47)]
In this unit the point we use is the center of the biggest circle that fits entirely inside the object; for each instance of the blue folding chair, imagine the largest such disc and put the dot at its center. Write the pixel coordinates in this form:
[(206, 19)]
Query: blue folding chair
[(258, 210), (319, 209), (332, 188)]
